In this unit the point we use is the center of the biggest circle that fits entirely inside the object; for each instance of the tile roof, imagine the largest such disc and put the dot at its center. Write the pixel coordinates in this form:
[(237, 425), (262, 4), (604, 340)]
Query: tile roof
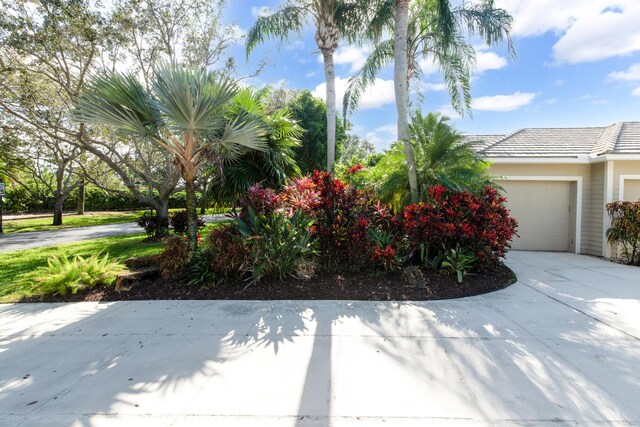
[(618, 138)]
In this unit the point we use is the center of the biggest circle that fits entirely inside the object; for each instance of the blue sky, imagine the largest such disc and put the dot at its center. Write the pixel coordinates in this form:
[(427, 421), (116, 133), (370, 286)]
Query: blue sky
[(578, 64)]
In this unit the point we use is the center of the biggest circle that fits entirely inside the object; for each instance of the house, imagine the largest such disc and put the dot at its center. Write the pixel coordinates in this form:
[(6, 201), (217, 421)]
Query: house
[(558, 181)]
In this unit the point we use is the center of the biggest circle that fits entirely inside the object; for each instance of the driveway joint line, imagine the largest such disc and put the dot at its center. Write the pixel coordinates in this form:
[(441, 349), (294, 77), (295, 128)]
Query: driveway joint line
[(582, 312)]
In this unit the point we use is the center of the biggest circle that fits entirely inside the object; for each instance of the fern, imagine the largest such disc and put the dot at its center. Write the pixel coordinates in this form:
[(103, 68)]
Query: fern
[(63, 275)]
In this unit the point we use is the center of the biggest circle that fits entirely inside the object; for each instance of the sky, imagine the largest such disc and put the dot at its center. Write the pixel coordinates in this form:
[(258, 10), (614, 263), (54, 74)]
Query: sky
[(577, 64)]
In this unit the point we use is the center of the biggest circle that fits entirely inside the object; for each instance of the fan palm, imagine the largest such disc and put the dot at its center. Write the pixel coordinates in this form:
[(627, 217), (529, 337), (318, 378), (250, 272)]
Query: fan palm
[(433, 29), (442, 157), (183, 112), (333, 19), (272, 167)]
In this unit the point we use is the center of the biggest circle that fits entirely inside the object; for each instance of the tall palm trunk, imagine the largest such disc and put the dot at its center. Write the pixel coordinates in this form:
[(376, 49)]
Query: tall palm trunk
[(192, 231), (400, 72), (330, 77), (327, 36)]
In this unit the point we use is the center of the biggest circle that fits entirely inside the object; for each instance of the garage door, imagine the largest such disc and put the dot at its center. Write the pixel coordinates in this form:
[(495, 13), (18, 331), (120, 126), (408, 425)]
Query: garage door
[(632, 190), (542, 209)]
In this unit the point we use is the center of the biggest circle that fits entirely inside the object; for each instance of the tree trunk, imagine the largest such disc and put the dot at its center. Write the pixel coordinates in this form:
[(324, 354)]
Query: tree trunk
[(162, 210), (57, 209), (192, 230), (81, 199), (400, 71), (330, 77)]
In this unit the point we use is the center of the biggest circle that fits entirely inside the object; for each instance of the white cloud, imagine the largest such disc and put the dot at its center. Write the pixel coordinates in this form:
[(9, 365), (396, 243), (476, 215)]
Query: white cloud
[(260, 11), (486, 60), (355, 56), (636, 92), (631, 75), (559, 82), (377, 95), (383, 136), (550, 101), (294, 45), (435, 87), (428, 66), (503, 102), (447, 110), (310, 74), (588, 30)]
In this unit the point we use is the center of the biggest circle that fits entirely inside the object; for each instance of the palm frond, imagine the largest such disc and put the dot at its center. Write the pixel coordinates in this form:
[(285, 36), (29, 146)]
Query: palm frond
[(485, 20), (119, 101), (191, 99), (381, 56), (280, 24)]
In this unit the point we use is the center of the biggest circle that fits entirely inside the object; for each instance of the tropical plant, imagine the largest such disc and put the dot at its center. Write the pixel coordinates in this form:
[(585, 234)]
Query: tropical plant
[(178, 221), (449, 220), (174, 259), (625, 229), (272, 167), (149, 222), (63, 274), (183, 112), (459, 261), (436, 30), (441, 157), (220, 260), (278, 243), (333, 20)]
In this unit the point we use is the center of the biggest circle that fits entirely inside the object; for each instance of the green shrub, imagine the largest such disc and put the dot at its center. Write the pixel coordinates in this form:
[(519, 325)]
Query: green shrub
[(625, 229), (278, 244), (459, 261), (63, 275)]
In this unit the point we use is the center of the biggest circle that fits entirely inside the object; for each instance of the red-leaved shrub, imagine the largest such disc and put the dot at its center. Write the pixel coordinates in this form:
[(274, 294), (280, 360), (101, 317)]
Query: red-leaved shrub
[(261, 200), (460, 220), (175, 257), (341, 222)]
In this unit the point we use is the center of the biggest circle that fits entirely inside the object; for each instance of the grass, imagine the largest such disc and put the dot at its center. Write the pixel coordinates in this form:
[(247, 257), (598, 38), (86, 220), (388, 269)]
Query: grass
[(74, 220), (69, 221), (19, 268)]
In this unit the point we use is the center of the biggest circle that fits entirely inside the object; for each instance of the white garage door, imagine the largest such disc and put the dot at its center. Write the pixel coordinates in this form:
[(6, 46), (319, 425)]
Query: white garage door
[(542, 209), (632, 190)]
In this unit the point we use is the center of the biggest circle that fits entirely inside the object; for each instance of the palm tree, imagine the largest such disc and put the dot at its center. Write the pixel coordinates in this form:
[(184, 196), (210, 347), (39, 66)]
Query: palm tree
[(441, 157), (183, 112), (433, 29), (273, 167), (333, 19)]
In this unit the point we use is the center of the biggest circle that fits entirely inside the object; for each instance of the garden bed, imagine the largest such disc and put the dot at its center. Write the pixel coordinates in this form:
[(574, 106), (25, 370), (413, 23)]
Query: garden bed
[(345, 286)]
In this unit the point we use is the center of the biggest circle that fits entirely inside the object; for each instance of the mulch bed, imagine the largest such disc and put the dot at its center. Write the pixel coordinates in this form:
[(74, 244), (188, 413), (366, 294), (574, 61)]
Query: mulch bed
[(367, 286)]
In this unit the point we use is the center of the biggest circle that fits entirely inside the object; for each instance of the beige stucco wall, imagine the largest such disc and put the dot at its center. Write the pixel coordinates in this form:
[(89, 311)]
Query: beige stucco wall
[(623, 167), (593, 214), (592, 207)]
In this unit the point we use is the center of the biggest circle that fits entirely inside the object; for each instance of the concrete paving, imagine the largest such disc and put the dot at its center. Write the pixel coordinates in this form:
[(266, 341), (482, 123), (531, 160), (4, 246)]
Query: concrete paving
[(559, 348), (16, 241)]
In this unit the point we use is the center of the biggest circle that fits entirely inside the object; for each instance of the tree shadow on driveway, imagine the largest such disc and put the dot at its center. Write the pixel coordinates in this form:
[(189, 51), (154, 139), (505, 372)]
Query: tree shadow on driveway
[(301, 363)]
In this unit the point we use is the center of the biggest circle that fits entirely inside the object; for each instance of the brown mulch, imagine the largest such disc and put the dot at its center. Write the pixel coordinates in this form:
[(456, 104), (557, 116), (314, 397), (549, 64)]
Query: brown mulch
[(367, 286)]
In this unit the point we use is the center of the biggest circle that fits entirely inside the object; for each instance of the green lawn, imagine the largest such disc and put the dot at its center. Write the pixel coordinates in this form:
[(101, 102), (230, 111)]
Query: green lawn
[(19, 268), (73, 220)]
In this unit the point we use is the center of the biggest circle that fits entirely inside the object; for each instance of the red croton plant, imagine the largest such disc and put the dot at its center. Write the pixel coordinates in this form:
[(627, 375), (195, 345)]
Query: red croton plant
[(355, 230), (448, 220)]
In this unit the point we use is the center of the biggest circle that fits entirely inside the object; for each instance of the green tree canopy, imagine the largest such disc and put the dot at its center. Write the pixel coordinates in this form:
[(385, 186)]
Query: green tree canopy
[(311, 114)]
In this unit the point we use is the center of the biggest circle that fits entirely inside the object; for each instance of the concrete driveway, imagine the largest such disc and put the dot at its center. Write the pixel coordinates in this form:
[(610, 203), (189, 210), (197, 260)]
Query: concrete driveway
[(560, 347)]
